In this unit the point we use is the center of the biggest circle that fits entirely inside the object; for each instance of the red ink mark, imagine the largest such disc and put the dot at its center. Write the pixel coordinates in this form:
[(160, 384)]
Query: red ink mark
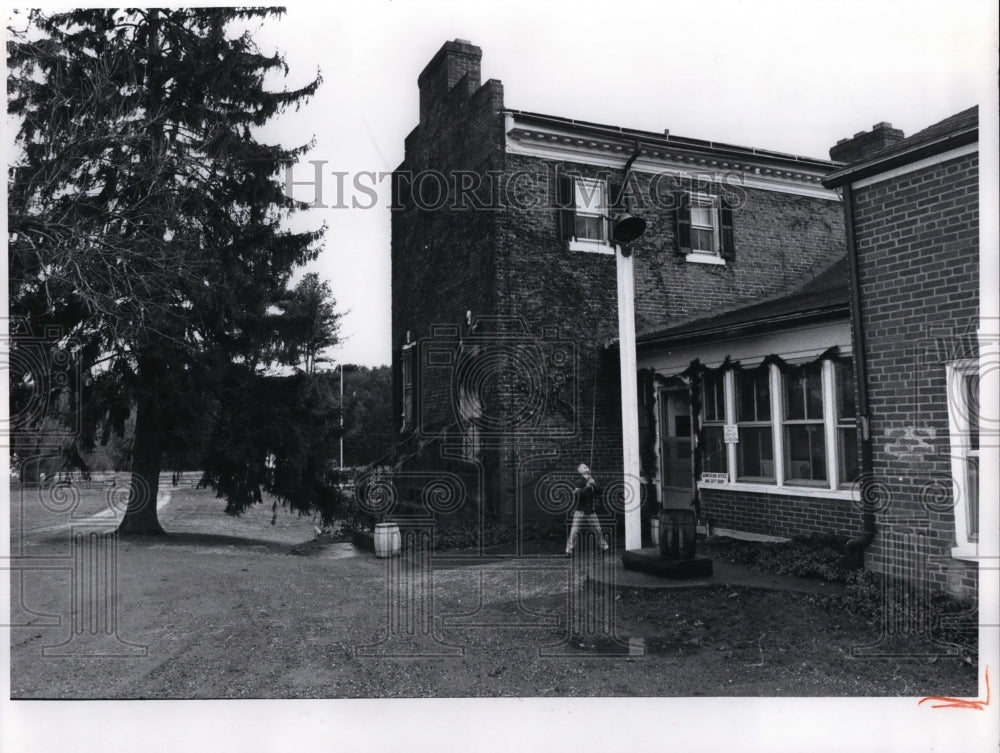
[(961, 703)]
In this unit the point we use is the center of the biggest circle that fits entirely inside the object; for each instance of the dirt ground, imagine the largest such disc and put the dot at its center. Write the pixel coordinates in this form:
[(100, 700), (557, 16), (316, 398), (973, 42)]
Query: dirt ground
[(221, 608)]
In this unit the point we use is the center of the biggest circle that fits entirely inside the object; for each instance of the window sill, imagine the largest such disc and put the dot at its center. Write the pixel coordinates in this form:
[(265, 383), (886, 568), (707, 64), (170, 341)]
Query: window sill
[(698, 257), (785, 491), (591, 247), (965, 552)]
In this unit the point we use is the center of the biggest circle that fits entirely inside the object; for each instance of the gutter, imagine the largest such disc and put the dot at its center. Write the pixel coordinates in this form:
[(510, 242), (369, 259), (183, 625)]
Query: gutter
[(670, 141), (857, 545), (880, 164)]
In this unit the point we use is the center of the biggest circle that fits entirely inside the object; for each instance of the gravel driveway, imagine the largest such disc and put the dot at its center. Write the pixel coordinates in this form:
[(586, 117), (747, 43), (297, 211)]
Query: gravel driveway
[(222, 609)]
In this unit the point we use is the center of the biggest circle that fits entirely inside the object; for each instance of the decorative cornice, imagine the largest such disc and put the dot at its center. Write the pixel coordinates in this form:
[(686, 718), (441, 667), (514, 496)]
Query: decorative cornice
[(607, 151)]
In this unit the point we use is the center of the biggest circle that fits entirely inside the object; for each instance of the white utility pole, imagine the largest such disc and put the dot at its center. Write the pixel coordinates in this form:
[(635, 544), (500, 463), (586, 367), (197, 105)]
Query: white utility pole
[(341, 415), (630, 399)]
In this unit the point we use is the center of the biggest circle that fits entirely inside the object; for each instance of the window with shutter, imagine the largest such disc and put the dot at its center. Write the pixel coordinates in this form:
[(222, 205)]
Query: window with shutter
[(584, 208), (591, 210), (703, 228)]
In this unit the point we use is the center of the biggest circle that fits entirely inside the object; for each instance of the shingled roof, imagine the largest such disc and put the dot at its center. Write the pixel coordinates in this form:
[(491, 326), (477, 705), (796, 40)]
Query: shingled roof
[(954, 131), (824, 296)]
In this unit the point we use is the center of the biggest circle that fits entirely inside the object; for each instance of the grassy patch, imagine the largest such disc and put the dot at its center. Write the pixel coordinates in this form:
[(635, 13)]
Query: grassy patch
[(869, 598), (887, 605), (816, 556), (470, 535)]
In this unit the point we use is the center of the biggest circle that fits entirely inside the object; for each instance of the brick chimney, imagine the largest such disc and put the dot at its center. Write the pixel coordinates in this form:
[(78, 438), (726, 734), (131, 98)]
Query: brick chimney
[(455, 60), (865, 144)]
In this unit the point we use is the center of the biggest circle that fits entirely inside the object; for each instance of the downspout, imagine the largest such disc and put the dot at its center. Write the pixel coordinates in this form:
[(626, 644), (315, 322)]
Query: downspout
[(628, 165), (856, 546)]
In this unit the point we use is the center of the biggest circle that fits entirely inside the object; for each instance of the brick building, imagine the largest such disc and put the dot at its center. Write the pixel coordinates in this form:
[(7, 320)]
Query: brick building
[(504, 297), (752, 412), (913, 237)]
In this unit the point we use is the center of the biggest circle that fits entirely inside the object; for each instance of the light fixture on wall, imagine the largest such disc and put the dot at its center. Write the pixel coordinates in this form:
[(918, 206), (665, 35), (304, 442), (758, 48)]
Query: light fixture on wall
[(627, 228)]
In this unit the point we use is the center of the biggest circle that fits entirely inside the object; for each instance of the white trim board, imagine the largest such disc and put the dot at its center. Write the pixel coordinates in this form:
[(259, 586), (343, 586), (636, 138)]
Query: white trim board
[(937, 159), (810, 492), (713, 169)]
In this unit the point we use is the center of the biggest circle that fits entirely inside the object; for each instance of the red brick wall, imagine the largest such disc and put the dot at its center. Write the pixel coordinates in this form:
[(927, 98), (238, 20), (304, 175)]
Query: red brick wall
[(779, 237), (511, 263), (778, 514), (917, 237)]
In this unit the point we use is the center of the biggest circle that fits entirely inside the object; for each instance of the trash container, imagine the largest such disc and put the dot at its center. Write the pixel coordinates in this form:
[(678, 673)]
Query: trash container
[(678, 534), (387, 540)]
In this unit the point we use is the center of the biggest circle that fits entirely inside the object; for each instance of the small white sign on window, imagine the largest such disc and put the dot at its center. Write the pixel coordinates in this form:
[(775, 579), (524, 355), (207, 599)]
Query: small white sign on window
[(714, 478), (731, 434)]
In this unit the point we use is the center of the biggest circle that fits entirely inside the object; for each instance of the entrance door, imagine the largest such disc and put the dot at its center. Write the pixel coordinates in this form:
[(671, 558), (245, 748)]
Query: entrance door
[(675, 448)]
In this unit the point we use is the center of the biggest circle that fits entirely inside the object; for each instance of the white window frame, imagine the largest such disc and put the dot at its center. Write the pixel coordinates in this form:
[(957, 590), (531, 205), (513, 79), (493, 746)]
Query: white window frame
[(717, 423), (959, 434), (701, 201), (769, 424), (835, 424), (824, 421), (832, 488), (600, 245)]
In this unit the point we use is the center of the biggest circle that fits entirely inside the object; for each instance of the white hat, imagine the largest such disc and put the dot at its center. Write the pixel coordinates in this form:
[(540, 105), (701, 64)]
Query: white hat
[(582, 468)]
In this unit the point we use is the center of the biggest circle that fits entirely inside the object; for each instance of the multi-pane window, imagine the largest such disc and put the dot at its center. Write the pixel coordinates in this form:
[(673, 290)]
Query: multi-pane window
[(805, 443), (755, 449), (963, 426), (847, 425), (713, 447), (591, 210), (704, 224), (806, 415), (970, 389)]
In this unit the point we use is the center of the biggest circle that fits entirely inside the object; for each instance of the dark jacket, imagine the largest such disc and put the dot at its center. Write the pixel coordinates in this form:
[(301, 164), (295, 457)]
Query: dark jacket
[(586, 496)]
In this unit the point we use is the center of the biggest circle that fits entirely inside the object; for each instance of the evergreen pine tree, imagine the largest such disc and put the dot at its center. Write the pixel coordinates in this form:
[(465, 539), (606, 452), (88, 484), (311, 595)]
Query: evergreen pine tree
[(148, 224)]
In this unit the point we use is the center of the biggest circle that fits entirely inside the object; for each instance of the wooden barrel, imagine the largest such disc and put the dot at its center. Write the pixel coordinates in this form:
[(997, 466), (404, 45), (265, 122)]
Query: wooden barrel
[(678, 534), (387, 540)]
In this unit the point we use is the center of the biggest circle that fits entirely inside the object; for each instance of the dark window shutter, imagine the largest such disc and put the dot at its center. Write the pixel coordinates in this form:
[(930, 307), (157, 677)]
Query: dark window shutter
[(565, 201), (406, 389), (415, 406), (616, 204), (726, 223), (682, 222)]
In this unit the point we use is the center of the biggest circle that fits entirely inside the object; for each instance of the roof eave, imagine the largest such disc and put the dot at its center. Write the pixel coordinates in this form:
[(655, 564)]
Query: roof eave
[(725, 332), (885, 163), (677, 142)]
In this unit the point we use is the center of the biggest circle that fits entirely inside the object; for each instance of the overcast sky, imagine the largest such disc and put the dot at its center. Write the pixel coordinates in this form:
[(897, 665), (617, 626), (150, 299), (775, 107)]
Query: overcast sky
[(787, 76), (792, 77)]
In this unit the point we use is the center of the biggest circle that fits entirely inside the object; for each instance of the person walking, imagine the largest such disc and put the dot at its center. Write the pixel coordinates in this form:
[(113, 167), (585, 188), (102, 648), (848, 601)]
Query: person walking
[(586, 498)]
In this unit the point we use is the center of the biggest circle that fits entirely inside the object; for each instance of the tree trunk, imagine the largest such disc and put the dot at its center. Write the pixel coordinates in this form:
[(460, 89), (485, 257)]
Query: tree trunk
[(140, 514)]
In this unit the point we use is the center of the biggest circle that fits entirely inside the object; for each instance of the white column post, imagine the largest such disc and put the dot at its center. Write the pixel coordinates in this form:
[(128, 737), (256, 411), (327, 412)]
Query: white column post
[(829, 381), (729, 400), (777, 424), (630, 400)]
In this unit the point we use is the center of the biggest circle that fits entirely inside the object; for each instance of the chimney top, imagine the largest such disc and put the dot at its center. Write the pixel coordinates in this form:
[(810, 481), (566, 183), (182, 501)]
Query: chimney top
[(865, 144), (456, 61), (455, 58)]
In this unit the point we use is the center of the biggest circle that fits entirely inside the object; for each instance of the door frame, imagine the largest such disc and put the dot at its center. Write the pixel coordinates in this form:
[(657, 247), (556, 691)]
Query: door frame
[(673, 385)]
